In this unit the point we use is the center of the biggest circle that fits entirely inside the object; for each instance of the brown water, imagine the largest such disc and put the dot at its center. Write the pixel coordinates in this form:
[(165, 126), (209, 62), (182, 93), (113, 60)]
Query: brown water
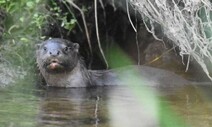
[(188, 106)]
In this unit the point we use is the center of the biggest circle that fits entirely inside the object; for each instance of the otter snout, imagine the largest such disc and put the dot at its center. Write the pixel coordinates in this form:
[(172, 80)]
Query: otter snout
[(54, 53)]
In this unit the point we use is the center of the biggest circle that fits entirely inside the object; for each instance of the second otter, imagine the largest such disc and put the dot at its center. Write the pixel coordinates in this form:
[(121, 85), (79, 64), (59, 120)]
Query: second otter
[(61, 66)]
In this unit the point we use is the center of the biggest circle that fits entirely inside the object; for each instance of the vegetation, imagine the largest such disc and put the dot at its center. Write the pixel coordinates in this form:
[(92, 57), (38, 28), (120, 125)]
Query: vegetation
[(23, 28), (23, 22)]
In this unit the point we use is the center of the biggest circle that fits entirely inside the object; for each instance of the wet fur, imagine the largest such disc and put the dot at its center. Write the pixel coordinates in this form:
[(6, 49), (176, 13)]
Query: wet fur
[(75, 74)]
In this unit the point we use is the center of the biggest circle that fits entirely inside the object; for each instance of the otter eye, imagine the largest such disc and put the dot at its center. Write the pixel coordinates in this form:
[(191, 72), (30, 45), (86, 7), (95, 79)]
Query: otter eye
[(66, 49), (44, 48)]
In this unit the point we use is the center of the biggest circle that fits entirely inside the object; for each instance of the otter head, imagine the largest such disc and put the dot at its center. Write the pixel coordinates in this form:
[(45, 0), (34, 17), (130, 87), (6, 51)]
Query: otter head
[(57, 56)]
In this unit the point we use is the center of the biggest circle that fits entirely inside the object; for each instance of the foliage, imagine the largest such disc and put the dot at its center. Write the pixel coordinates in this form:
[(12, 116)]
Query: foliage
[(23, 22), (23, 25), (65, 22), (24, 18)]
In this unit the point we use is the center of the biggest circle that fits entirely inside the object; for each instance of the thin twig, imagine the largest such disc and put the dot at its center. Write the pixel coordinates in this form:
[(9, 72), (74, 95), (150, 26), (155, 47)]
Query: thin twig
[(97, 33), (84, 22), (72, 15), (136, 39), (128, 14)]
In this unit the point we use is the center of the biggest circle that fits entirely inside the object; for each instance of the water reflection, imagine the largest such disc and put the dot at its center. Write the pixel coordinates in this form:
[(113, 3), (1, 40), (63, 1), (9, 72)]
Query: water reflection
[(189, 106), (18, 107), (105, 106), (127, 109), (73, 107), (120, 106), (193, 104)]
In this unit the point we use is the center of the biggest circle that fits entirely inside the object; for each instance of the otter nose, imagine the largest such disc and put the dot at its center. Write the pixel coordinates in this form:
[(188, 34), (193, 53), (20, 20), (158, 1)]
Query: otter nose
[(54, 53)]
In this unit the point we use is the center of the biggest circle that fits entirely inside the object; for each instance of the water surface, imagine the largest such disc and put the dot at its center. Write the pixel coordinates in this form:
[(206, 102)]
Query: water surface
[(106, 107)]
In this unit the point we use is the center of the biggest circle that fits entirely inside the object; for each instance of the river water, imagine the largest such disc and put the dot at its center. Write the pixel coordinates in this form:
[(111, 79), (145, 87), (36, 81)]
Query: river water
[(24, 105)]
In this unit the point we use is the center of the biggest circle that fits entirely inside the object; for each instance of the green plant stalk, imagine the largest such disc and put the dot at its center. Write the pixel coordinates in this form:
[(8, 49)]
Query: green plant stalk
[(147, 98)]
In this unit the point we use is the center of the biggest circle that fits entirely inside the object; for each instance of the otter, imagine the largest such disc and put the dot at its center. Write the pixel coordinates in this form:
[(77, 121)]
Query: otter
[(61, 65)]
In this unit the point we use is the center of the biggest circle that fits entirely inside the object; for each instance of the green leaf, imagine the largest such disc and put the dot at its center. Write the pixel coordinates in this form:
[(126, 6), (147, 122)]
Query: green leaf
[(30, 4)]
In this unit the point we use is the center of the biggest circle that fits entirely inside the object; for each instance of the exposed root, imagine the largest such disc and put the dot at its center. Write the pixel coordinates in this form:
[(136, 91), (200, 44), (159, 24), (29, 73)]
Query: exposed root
[(84, 22), (186, 22), (128, 14), (97, 33)]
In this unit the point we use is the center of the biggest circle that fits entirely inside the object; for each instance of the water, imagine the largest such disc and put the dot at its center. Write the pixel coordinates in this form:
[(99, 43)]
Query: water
[(27, 106)]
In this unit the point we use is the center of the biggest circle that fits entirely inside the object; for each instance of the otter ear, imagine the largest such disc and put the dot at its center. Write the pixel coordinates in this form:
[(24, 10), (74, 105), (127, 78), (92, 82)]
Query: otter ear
[(76, 47), (37, 46)]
